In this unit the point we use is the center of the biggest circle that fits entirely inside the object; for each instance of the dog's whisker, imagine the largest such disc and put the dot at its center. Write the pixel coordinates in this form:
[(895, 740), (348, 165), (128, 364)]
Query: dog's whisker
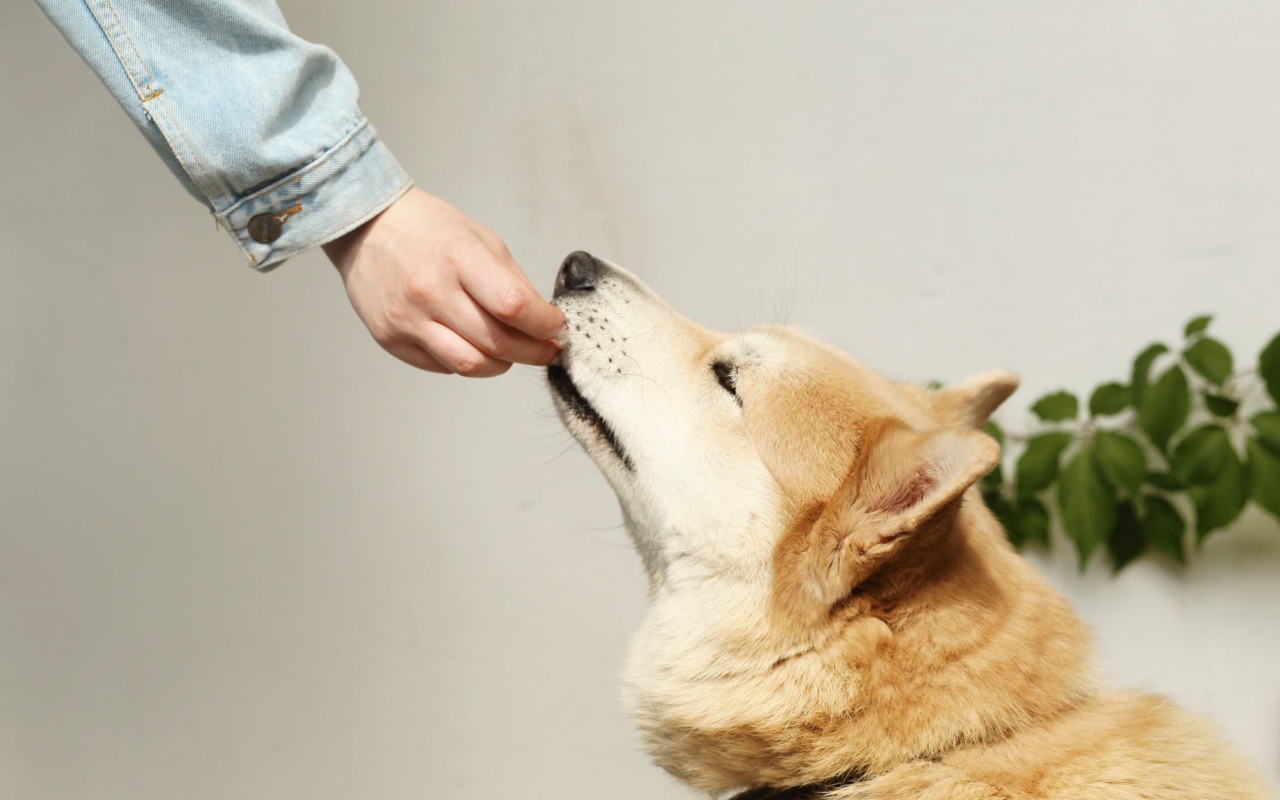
[(641, 334), (643, 377), (567, 450)]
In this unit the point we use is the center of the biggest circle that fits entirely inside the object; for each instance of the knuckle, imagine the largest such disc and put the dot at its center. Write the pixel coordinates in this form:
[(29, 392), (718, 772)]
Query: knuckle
[(456, 252), (398, 317), (468, 367), (495, 244), (418, 290), (511, 304)]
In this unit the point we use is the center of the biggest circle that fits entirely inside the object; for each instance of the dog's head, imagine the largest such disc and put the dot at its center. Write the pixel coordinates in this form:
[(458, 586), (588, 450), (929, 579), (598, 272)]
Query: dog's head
[(796, 514), (715, 442)]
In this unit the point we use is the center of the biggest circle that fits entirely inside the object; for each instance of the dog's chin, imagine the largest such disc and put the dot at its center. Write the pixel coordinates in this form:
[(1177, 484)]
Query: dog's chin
[(582, 418)]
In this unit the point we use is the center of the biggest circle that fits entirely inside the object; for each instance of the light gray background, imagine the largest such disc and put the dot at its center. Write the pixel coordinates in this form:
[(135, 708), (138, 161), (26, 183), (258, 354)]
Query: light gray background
[(246, 554)]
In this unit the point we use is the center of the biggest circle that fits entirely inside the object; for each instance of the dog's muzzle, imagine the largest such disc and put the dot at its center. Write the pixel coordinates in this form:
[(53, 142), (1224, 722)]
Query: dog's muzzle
[(580, 273)]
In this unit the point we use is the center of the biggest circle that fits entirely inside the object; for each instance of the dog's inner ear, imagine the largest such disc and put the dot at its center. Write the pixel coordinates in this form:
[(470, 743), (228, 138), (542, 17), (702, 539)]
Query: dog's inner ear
[(905, 477), (901, 483)]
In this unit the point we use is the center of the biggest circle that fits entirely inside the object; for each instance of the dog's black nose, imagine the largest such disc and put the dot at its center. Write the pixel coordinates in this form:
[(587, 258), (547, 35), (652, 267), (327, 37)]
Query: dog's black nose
[(578, 273)]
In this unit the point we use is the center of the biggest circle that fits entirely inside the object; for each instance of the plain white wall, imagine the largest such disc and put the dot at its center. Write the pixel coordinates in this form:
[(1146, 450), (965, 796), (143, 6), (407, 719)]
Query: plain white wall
[(246, 554)]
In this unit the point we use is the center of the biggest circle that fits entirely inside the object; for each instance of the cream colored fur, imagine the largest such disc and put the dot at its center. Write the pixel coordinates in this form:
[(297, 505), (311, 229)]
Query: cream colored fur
[(830, 593)]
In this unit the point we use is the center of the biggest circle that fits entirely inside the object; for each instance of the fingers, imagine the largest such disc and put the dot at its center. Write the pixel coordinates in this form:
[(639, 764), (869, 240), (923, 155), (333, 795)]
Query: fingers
[(495, 244), (458, 355), (505, 293), (447, 330), (442, 293), (442, 351), (415, 356), (485, 332)]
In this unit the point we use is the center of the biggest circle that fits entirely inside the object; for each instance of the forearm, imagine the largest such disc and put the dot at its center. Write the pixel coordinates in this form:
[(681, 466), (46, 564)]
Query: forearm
[(260, 125)]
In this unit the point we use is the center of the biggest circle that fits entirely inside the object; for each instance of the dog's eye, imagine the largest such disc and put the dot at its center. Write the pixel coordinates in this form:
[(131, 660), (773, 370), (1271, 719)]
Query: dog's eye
[(727, 375)]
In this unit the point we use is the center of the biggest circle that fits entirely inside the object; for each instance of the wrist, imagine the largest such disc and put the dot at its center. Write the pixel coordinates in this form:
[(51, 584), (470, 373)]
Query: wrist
[(340, 251)]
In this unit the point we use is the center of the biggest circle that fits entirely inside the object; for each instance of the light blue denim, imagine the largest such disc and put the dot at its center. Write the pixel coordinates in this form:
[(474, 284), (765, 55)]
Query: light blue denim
[(251, 118)]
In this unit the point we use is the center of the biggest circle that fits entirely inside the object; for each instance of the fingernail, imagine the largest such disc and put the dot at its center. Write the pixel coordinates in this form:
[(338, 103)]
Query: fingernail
[(551, 355)]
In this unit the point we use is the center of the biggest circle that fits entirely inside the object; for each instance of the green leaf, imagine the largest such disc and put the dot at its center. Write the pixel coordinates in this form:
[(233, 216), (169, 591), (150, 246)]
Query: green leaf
[(1126, 541), (1056, 407), (1264, 476), (1038, 465), (1267, 426), (995, 432), (1164, 528), (995, 478), (1201, 455), (1031, 519), (1269, 368), (1003, 510), (1108, 399), (1165, 406), (1163, 480), (1121, 460), (1220, 501), (1142, 370), (1197, 325), (1221, 406), (1211, 359), (1087, 503)]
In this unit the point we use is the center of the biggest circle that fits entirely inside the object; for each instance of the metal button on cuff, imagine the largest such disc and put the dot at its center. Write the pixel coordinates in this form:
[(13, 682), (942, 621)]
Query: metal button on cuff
[(266, 228), (344, 187)]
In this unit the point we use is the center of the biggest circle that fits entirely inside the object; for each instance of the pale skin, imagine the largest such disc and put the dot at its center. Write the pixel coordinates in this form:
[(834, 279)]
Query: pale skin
[(441, 292)]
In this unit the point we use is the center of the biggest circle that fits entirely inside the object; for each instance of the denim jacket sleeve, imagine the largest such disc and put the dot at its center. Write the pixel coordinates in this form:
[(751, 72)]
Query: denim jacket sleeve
[(257, 123)]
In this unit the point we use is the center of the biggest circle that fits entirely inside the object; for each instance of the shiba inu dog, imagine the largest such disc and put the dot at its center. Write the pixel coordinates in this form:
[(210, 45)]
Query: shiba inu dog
[(835, 613)]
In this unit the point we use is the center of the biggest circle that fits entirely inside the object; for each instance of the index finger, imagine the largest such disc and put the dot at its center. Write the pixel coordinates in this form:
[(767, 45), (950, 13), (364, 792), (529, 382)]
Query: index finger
[(510, 298)]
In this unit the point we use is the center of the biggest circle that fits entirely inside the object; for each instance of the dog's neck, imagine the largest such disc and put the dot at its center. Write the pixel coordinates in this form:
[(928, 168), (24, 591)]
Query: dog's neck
[(775, 719)]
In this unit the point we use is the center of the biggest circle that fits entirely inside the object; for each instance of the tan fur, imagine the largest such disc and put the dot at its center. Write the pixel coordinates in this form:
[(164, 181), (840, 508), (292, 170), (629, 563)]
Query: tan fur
[(847, 602)]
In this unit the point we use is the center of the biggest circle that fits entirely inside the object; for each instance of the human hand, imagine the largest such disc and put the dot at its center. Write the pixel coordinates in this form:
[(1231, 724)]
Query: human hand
[(439, 291)]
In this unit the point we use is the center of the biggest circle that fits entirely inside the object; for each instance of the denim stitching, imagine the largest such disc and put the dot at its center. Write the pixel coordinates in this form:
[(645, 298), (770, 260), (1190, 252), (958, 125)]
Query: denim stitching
[(378, 208), (298, 175), (284, 252), (106, 6), (295, 179), (199, 175), (171, 131), (241, 232)]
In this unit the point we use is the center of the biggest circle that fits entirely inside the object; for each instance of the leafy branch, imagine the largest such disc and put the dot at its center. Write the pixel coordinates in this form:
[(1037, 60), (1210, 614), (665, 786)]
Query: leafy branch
[(1148, 461)]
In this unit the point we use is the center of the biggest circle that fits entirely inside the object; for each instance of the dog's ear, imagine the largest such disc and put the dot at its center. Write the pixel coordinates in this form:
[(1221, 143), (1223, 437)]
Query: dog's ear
[(902, 481), (971, 402)]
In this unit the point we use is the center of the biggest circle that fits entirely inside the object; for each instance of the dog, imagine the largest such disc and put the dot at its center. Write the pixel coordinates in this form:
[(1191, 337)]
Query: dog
[(835, 613)]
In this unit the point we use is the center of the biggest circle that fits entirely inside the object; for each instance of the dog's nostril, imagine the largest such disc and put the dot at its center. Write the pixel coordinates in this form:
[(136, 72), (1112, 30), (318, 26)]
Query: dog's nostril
[(578, 272)]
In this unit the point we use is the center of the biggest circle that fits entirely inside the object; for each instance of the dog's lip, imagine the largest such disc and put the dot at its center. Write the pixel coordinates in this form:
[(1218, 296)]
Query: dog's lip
[(581, 408)]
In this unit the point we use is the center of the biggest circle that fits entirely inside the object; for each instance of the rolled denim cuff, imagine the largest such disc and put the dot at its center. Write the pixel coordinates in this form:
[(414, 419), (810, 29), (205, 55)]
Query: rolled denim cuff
[(346, 186)]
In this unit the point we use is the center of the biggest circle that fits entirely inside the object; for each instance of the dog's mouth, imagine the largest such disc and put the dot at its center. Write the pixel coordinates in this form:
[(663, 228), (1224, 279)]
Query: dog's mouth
[(581, 408)]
